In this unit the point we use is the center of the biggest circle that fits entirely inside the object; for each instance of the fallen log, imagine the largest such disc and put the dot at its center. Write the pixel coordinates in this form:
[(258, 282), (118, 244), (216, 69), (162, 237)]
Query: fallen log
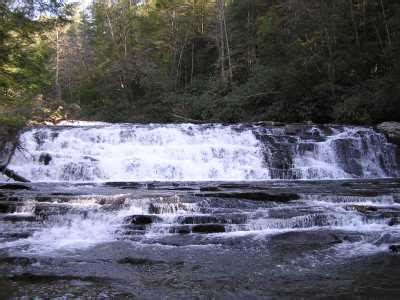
[(11, 174)]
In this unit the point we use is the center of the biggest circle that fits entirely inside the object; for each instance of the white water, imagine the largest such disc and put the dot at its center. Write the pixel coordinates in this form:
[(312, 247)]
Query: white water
[(187, 152), (72, 231)]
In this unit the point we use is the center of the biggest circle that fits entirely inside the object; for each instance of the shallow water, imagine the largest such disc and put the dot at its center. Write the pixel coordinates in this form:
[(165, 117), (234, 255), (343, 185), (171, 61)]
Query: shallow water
[(253, 240)]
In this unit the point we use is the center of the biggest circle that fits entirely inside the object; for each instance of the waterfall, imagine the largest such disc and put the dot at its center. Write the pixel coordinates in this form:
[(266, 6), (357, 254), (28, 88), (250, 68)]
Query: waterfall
[(209, 152)]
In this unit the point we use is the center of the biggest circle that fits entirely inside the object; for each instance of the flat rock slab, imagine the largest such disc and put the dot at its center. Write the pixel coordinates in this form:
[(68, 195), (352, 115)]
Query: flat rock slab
[(255, 196), (14, 186), (142, 219), (306, 238), (216, 219), (208, 228)]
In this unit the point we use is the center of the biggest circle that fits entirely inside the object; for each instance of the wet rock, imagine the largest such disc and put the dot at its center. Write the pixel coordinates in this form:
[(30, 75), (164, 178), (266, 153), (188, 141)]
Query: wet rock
[(364, 209), (208, 228), (134, 232), (279, 157), (150, 186), (394, 248), (136, 227), (142, 219), (167, 205), (45, 158), (45, 210), (391, 130), (394, 221), (146, 262), (256, 196), (40, 137), (123, 185), (302, 148), (236, 186), (198, 220), (80, 171), (139, 261), (14, 186), (178, 188), (216, 219), (43, 199), (16, 235), (39, 278), (294, 129), (19, 261), (351, 237), (348, 156), (180, 229), (210, 189), (7, 207), (63, 194), (307, 237), (116, 202), (8, 140), (19, 218), (388, 214), (92, 159)]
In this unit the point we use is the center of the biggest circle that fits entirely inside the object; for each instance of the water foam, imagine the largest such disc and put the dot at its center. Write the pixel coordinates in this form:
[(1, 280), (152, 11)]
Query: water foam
[(185, 152)]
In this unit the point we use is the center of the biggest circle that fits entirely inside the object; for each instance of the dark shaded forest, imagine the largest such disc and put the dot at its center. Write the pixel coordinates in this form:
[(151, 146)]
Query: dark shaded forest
[(201, 61)]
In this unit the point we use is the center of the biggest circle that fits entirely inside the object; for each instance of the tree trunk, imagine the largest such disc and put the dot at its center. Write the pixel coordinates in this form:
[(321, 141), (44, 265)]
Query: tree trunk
[(221, 38), (57, 75), (389, 38), (356, 36), (228, 50)]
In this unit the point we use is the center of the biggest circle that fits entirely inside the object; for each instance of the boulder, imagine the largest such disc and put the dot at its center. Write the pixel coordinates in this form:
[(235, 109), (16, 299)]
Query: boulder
[(394, 221), (142, 219), (45, 158), (394, 248)]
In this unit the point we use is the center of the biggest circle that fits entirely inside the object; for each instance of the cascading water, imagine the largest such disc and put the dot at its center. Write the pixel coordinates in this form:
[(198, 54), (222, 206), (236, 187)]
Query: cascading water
[(118, 211), (210, 152)]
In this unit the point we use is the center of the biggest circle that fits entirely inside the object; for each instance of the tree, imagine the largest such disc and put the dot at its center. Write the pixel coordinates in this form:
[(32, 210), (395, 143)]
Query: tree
[(24, 53)]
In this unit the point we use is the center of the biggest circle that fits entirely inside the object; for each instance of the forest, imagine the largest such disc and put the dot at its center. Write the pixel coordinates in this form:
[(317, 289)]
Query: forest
[(200, 61)]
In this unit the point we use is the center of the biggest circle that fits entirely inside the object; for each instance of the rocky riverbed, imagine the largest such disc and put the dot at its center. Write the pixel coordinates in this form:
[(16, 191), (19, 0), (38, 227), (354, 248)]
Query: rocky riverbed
[(200, 240)]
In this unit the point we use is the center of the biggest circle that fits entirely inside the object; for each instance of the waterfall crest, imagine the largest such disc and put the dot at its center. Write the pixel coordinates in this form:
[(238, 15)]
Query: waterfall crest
[(210, 152)]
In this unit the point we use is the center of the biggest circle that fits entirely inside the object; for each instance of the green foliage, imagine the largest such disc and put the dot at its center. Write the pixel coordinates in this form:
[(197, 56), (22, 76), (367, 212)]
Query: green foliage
[(162, 61), (14, 122), (24, 57)]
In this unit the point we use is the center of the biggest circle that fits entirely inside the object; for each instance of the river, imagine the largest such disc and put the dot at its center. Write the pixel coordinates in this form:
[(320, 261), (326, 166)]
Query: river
[(201, 211)]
